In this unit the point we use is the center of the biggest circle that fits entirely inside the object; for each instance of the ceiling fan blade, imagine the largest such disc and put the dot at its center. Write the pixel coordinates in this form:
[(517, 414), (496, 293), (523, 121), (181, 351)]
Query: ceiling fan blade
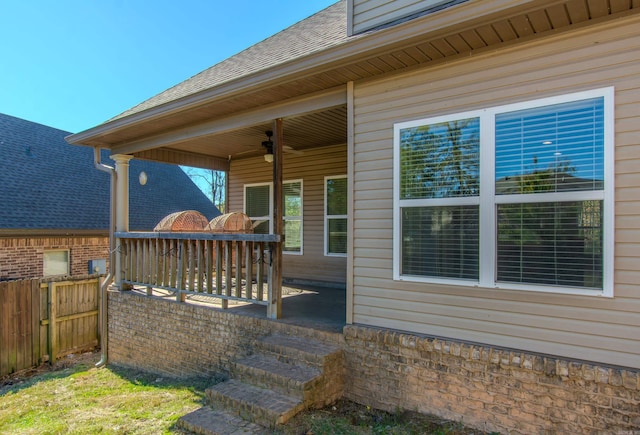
[(288, 149)]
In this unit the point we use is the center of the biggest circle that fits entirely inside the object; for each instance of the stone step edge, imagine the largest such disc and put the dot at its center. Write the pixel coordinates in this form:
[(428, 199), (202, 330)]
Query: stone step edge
[(295, 348), (216, 421), (267, 371), (259, 405)]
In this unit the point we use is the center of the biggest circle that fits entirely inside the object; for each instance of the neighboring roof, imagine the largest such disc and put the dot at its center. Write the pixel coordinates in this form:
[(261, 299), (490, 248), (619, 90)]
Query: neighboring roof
[(318, 32), (45, 183)]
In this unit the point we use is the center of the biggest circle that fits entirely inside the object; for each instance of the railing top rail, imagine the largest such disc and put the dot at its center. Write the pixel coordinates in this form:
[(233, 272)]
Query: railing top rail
[(199, 236)]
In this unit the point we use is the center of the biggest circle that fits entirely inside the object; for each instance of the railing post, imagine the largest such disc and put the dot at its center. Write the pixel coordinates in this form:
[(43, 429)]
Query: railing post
[(274, 284)]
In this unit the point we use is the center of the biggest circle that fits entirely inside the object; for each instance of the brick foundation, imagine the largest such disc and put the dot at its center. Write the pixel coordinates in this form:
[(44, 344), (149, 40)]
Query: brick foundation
[(22, 257), (487, 388), (184, 340)]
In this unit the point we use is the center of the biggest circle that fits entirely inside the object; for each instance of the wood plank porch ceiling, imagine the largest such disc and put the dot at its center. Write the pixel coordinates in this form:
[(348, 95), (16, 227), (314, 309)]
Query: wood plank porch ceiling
[(525, 21)]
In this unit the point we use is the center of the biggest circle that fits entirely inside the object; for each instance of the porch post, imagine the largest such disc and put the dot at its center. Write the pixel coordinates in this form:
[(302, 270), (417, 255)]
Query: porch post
[(122, 211), (274, 309)]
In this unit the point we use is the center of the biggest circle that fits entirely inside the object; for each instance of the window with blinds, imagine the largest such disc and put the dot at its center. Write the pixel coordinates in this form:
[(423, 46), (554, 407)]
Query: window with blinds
[(257, 205), (517, 196), (554, 151), (440, 186), (335, 221), (292, 199)]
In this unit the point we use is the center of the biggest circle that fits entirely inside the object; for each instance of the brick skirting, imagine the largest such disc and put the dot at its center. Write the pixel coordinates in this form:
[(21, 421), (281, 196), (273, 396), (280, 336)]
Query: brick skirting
[(488, 388), (491, 389)]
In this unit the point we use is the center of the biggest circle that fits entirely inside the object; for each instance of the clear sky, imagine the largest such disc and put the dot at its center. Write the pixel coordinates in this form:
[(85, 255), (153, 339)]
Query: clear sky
[(73, 64)]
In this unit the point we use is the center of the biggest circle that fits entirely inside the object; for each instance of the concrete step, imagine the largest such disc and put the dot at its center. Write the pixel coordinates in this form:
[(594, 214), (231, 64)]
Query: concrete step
[(296, 349), (265, 407), (212, 421), (266, 371)]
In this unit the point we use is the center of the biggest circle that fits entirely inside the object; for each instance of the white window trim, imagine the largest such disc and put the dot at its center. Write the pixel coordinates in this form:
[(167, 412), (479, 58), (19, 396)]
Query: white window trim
[(47, 251), (487, 226), (333, 216), (270, 216)]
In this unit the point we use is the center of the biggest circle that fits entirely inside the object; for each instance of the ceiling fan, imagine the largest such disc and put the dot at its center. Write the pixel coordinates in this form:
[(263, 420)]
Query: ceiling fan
[(268, 145)]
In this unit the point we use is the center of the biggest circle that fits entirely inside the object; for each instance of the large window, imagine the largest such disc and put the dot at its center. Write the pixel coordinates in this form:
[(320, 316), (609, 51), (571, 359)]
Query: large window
[(258, 206), (517, 196), (335, 217)]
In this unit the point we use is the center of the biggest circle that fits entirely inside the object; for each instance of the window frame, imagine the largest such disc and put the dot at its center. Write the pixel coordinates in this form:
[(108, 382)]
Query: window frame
[(269, 217), (327, 217), (488, 201), (44, 262)]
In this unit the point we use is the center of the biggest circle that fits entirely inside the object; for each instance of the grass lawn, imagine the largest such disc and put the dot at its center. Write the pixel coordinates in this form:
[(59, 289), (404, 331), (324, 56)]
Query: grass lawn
[(74, 397)]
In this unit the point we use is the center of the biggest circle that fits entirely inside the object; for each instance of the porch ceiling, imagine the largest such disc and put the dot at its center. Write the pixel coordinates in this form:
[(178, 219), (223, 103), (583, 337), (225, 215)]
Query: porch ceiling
[(468, 28)]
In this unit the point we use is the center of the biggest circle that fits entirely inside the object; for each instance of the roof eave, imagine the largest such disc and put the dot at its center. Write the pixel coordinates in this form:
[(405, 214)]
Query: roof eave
[(359, 47), (45, 232)]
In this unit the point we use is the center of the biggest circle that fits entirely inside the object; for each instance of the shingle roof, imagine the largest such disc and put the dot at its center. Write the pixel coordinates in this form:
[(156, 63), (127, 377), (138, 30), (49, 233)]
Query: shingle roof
[(45, 183), (320, 31)]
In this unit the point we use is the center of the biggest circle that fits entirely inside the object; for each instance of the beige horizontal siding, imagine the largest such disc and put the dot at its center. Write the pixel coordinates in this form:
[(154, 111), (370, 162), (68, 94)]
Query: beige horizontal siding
[(591, 328), (368, 14), (313, 265)]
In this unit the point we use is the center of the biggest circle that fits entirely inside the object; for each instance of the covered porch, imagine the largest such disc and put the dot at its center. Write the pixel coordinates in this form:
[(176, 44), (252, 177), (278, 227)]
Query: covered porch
[(267, 147), (226, 271)]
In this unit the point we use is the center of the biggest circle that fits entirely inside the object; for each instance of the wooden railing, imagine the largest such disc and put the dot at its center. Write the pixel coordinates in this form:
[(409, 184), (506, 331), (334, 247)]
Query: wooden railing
[(237, 267)]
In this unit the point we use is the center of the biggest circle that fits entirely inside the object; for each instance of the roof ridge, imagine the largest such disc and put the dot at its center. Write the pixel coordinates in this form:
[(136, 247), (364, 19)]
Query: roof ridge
[(236, 66)]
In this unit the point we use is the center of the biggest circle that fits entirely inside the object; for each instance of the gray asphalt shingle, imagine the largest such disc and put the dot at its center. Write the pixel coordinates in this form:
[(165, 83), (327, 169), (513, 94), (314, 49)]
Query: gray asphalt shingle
[(45, 183)]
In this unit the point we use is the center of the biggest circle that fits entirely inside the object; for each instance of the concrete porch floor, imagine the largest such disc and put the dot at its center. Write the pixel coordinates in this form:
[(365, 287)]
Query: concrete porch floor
[(310, 306), (322, 308)]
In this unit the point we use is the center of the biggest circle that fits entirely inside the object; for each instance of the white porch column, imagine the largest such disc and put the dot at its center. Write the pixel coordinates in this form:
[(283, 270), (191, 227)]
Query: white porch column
[(122, 210)]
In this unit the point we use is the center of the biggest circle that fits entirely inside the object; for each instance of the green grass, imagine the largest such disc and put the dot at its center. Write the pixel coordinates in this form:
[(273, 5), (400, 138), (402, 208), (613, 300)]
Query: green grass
[(84, 400)]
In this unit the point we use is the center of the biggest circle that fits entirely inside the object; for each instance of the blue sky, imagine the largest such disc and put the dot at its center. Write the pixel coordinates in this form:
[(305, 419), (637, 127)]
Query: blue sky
[(73, 64)]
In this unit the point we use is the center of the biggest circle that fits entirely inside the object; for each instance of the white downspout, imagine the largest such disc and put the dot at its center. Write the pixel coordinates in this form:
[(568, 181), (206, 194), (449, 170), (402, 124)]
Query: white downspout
[(107, 281)]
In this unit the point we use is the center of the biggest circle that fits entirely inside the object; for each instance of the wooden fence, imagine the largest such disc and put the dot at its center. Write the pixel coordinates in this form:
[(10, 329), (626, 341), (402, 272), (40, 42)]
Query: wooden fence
[(46, 320)]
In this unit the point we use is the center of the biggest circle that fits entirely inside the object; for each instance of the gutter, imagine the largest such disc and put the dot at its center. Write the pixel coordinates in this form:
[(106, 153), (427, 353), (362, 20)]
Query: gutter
[(109, 278)]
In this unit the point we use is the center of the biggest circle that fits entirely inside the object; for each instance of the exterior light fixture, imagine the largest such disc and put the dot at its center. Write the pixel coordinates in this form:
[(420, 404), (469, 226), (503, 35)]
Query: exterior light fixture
[(142, 178), (268, 145)]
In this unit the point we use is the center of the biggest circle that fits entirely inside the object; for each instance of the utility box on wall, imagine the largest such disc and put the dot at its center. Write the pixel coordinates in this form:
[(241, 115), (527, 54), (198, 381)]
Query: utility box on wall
[(98, 266)]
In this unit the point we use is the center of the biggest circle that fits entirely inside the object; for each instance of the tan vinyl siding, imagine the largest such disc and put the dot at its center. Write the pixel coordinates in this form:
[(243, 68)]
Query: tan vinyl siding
[(587, 328), (367, 14), (310, 167)]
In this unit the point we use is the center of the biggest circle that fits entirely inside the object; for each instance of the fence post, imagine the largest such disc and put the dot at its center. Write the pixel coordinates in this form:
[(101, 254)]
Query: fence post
[(51, 312)]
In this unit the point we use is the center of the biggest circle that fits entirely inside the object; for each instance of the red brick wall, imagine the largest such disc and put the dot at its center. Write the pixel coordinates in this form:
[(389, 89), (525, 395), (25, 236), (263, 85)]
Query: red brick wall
[(22, 257)]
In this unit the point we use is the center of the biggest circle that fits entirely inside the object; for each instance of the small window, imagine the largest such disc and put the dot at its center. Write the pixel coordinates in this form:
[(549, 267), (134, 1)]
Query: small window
[(335, 222), (258, 204), (292, 198), (56, 262)]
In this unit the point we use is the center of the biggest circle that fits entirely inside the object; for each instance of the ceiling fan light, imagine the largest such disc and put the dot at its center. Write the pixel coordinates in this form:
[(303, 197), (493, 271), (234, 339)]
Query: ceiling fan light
[(268, 158)]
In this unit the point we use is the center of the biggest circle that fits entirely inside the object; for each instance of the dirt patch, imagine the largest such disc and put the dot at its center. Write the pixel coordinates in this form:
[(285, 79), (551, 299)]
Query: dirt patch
[(88, 358), (346, 417)]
